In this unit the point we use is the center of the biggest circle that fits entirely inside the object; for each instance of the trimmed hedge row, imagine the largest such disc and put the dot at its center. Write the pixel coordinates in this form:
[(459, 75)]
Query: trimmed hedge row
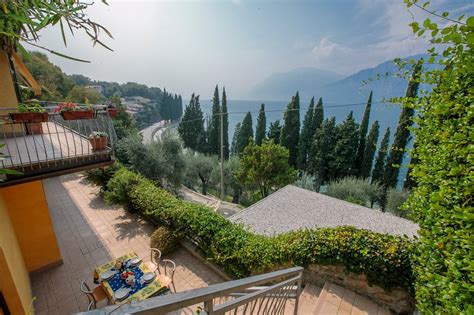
[(384, 259)]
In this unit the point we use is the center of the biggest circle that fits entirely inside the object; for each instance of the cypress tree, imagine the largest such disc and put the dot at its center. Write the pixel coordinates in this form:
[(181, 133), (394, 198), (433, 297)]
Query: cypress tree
[(180, 107), (261, 126), (318, 115), (214, 124), (191, 128), (235, 138), (364, 127), (402, 134), (409, 181), (206, 149), (322, 151), (274, 132), (379, 167), (306, 135), (290, 132), (225, 118), (345, 148), (245, 133), (164, 106), (370, 148)]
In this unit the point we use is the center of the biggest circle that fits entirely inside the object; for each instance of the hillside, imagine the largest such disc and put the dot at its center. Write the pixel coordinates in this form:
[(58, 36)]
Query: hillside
[(57, 86)]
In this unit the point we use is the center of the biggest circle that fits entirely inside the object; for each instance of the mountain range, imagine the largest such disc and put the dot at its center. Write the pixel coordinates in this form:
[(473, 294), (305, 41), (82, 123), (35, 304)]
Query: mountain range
[(333, 87), (342, 94)]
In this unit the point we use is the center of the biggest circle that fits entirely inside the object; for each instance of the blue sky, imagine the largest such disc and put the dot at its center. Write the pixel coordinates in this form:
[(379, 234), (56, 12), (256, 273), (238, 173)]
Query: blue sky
[(189, 46)]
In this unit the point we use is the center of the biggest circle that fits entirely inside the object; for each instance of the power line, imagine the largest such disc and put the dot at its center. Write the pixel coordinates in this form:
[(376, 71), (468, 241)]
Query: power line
[(282, 110), (232, 113)]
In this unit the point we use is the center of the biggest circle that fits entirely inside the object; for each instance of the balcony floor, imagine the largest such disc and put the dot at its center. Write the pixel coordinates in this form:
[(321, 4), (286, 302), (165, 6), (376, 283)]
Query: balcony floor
[(54, 144), (90, 233)]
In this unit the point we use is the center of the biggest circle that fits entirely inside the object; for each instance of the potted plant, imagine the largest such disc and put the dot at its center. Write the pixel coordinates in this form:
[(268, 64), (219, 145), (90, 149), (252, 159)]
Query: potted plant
[(72, 111), (29, 113), (98, 140), (112, 110), (32, 115)]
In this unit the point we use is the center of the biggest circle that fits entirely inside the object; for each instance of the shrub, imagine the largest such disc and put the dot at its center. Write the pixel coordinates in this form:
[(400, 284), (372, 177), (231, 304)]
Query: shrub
[(165, 239), (306, 181), (101, 176), (119, 186), (384, 259), (395, 201), (355, 190)]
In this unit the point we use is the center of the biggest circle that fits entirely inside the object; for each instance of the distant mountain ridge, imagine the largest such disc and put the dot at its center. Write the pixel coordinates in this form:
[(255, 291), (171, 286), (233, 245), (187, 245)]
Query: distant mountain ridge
[(333, 87), (281, 86)]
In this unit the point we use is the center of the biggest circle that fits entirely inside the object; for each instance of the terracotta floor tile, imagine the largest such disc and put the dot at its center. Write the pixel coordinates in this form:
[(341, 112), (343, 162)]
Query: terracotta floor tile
[(89, 233)]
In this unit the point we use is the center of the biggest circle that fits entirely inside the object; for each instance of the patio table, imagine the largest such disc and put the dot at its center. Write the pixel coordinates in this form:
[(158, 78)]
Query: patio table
[(138, 291)]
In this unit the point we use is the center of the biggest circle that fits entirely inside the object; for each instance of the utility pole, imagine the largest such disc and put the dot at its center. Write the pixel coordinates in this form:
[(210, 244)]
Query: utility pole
[(222, 153)]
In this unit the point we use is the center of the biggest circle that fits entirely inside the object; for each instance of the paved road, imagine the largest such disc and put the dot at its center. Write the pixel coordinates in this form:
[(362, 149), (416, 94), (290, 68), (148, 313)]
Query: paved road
[(149, 131)]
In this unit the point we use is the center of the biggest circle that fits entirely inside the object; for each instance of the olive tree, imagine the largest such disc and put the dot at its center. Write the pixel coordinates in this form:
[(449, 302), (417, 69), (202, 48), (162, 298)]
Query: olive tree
[(355, 190), (199, 168)]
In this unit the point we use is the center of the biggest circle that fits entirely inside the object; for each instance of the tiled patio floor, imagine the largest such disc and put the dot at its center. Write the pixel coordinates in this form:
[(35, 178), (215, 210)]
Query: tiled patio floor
[(90, 233)]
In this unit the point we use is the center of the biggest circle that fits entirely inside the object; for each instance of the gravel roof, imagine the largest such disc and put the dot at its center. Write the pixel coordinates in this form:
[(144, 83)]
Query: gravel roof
[(294, 208)]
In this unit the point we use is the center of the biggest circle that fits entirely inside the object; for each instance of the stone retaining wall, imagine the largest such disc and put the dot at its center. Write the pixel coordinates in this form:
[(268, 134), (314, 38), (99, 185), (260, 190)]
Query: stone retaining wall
[(397, 300)]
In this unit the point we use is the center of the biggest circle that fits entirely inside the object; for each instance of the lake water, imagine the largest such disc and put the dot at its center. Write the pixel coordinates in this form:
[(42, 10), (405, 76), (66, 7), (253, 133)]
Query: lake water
[(386, 114)]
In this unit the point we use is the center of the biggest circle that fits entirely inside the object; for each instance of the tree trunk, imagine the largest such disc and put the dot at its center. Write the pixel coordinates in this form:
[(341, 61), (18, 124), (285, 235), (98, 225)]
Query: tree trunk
[(317, 183), (383, 199), (204, 188), (236, 196)]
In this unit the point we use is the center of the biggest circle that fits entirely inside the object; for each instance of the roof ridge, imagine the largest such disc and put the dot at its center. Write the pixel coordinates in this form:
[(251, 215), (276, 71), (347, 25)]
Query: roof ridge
[(258, 202)]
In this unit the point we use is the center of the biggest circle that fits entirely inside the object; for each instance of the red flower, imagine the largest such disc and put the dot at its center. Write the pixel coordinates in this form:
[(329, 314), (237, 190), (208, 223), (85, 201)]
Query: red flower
[(65, 107)]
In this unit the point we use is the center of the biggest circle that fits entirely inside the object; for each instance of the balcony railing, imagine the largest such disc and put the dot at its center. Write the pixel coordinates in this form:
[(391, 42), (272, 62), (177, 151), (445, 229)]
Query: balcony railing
[(243, 296), (55, 146)]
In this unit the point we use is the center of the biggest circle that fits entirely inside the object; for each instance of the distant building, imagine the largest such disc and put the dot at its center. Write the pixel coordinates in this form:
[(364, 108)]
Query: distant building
[(98, 88), (293, 208), (134, 104)]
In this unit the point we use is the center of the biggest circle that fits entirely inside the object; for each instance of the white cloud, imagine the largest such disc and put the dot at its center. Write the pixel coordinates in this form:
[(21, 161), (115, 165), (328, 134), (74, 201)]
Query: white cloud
[(396, 40), (327, 48)]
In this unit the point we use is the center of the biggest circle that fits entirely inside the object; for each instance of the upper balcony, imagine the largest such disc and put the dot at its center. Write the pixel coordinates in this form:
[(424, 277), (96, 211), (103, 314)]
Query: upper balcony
[(50, 144)]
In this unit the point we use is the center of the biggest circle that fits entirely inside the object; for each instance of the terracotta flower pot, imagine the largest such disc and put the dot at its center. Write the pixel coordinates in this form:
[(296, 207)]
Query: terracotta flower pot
[(113, 112), (98, 143), (77, 114), (21, 118), (34, 128)]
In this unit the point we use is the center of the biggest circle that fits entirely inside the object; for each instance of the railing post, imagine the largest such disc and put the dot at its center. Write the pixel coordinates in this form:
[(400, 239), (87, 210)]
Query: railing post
[(298, 292), (209, 306)]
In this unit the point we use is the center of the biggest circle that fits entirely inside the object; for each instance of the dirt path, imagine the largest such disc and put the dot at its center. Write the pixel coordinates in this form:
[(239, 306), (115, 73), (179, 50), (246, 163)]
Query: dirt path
[(226, 209)]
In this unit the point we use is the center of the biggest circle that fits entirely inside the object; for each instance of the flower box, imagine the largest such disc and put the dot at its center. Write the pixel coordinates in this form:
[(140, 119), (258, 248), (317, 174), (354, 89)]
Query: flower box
[(34, 128), (113, 112), (98, 143), (21, 118), (77, 114)]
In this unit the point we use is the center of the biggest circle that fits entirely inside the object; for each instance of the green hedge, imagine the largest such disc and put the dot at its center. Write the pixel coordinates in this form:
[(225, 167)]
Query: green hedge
[(165, 239), (384, 259)]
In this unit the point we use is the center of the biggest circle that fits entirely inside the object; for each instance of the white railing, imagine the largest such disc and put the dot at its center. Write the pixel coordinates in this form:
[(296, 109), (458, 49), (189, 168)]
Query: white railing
[(243, 296)]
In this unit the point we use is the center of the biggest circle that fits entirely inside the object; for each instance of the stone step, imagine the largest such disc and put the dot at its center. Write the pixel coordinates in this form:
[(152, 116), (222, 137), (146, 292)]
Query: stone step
[(337, 300), (308, 298)]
